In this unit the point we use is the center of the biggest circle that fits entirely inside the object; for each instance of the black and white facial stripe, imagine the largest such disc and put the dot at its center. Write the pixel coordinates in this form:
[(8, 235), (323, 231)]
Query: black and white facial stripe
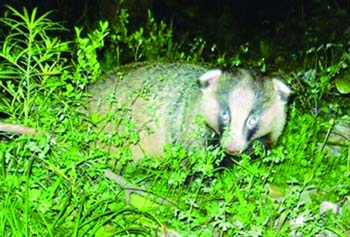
[(224, 118), (241, 107), (252, 121), (251, 126)]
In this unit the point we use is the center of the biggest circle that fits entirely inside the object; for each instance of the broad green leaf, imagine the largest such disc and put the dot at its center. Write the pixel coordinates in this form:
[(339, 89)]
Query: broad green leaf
[(343, 84)]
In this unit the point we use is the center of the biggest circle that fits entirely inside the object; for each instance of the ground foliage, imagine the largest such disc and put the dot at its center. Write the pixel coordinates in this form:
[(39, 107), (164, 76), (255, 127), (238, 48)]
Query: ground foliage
[(54, 183)]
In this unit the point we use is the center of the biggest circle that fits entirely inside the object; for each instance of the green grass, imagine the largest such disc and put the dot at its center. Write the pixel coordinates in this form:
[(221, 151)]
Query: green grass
[(54, 183)]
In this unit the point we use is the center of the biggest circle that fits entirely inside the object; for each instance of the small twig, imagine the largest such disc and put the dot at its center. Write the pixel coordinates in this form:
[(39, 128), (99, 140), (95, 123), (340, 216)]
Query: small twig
[(17, 128), (129, 188), (118, 179), (328, 134)]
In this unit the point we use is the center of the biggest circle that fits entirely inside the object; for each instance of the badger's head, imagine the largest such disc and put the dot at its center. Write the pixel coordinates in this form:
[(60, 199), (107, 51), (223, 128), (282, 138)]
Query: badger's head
[(240, 107)]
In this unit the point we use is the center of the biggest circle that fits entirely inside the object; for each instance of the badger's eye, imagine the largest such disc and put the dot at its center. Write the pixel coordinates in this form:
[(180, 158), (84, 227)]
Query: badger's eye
[(252, 121), (225, 117)]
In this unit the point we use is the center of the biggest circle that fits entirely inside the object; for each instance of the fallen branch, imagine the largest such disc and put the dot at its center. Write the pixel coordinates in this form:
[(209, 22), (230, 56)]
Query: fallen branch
[(128, 188), (132, 189), (17, 128)]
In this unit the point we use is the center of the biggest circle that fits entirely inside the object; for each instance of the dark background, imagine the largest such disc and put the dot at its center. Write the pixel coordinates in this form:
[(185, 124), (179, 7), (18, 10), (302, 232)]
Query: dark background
[(286, 25)]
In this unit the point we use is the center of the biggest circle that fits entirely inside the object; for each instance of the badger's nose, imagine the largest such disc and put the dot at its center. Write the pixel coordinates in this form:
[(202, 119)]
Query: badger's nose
[(233, 148)]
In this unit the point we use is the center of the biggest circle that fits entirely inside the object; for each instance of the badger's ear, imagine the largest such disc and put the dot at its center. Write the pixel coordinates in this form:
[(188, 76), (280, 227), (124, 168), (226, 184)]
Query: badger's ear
[(282, 89), (208, 80)]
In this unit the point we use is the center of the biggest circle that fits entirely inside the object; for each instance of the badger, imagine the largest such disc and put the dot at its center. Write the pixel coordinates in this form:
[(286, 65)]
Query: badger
[(189, 105)]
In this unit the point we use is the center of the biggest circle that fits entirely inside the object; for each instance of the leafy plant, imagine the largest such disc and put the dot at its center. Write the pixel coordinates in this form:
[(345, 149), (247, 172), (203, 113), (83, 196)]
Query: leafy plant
[(41, 175), (152, 42), (31, 62), (87, 68)]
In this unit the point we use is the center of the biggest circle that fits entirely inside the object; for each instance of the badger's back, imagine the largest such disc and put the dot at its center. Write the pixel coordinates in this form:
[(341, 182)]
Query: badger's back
[(161, 99)]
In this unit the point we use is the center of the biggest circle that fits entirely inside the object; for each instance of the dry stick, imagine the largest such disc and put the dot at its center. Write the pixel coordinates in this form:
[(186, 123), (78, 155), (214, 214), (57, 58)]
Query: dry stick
[(17, 128), (132, 188), (129, 188)]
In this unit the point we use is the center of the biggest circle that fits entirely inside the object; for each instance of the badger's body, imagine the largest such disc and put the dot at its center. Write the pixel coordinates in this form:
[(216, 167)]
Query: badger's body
[(188, 104)]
